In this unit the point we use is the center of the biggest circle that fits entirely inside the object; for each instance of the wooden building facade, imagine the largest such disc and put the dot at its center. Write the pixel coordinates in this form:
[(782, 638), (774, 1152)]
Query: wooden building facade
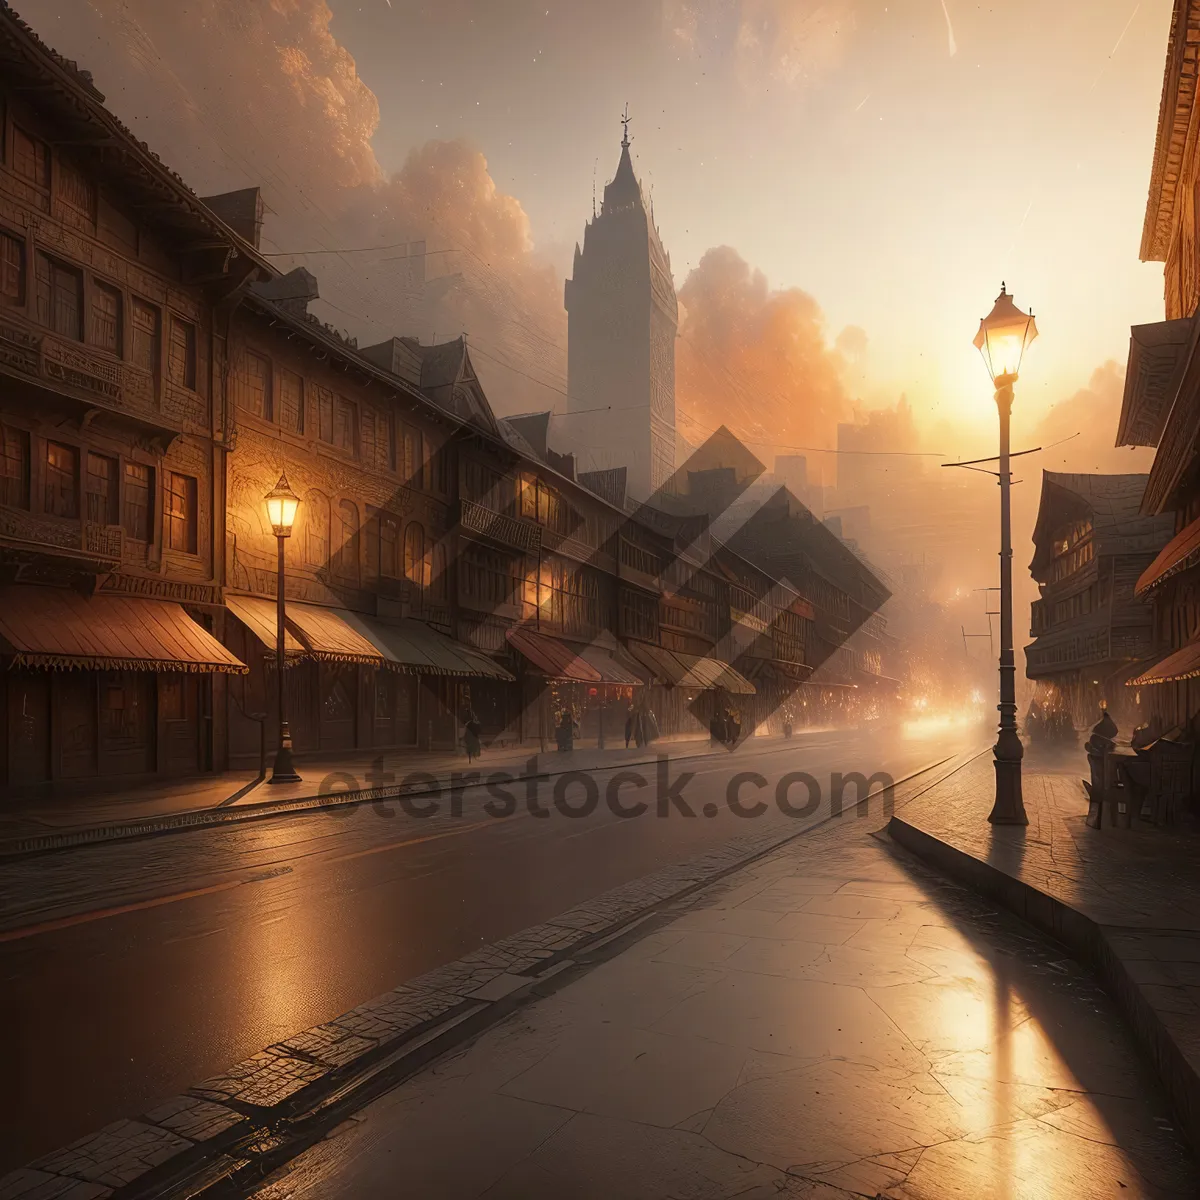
[(112, 275), (1092, 634), (157, 377), (1161, 406)]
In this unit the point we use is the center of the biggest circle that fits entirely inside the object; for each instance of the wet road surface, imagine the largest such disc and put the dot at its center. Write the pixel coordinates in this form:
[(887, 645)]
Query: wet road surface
[(833, 1021), (132, 970)]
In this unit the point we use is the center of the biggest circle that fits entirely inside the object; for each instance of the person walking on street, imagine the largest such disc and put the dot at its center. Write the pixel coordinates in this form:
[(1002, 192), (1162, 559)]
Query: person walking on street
[(471, 731), (629, 719)]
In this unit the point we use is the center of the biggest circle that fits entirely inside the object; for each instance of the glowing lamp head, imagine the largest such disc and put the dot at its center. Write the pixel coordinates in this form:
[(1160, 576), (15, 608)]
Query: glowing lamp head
[(282, 503), (1004, 334)]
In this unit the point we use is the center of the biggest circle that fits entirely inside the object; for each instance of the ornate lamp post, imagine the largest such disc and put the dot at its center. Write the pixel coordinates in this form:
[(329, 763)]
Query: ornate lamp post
[(1002, 339), (282, 504)]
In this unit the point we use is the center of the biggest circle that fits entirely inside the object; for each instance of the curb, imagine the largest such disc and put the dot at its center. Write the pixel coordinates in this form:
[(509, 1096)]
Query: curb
[(121, 831), (1087, 940), (228, 1133)]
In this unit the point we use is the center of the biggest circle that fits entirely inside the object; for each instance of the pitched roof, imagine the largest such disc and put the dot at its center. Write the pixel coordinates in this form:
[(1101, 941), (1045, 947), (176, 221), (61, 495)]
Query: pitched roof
[(448, 377), (623, 190), (1111, 502)]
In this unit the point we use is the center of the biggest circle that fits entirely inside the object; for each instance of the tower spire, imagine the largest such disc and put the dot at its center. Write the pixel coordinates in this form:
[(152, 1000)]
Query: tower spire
[(625, 126)]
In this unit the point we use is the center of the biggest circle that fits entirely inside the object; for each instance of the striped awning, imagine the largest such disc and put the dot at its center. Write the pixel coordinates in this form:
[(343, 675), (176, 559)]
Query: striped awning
[(663, 666), (328, 635), (56, 627), (677, 669), (258, 615), (414, 647), (1183, 664), (1181, 552), (611, 669)]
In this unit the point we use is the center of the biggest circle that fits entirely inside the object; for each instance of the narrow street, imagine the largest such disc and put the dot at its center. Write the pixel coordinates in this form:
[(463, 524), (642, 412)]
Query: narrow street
[(135, 969)]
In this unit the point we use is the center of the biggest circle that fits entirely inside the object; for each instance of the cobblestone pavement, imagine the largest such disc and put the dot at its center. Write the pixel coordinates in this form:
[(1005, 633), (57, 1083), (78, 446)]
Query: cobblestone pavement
[(213, 1118), (831, 1021), (1129, 899)]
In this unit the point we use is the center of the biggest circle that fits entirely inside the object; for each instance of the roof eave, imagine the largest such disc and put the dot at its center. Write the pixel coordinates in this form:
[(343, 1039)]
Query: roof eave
[(1156, 227), (92, 109)]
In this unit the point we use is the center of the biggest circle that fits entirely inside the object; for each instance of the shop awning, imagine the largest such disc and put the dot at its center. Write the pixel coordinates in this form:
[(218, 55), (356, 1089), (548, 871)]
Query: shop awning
[(553, 658), (55, 627), (258, 615), (611, 670), (663, 666), (826, 677), (414, 647), (328, 635), (1183, 664), (1181, 552), (690, 670), (774, 670), (721, 673)]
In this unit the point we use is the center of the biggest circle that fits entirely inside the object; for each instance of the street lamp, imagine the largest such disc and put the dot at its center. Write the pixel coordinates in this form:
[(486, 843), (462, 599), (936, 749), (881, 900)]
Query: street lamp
[(1004, 334), (282, 504)]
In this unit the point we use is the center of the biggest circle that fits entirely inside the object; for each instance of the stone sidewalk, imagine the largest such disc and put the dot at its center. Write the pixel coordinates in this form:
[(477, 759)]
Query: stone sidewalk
[(834, 1021), (1127, 902), (32, 827)]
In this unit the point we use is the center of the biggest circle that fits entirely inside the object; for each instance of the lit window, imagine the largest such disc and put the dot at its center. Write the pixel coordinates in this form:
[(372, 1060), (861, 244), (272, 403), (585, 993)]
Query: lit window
[(61, 495), (414, 554)]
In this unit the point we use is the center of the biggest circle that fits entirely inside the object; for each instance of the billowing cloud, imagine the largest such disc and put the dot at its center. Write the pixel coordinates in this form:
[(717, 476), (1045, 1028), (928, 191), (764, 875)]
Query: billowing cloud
[(755, 359), (1085, 424), (234, 94)]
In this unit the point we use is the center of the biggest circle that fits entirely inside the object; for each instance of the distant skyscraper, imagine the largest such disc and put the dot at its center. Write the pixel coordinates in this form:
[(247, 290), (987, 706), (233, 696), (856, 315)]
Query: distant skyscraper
[(621, 321)]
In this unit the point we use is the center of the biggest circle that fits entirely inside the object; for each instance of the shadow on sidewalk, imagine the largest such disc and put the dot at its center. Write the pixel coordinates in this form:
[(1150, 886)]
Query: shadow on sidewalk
[(1032, 976)]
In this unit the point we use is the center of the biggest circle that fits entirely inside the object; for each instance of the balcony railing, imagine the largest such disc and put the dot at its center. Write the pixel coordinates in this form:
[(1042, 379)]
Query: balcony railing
[(95, 379), (509, 531)]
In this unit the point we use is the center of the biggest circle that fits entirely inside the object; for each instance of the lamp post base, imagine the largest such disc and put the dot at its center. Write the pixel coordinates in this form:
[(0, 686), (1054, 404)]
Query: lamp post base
[(1009, 806), (284, 770)]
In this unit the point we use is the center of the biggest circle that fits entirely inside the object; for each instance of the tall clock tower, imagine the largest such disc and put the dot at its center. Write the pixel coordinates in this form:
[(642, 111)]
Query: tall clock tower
[(621, 321)]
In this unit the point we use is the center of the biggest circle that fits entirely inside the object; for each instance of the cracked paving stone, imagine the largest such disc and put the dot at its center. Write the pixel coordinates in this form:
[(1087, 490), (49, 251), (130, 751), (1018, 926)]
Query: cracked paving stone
[(328, 1043), (29, 1184), (263, 1081), (195, 1119), (116, 1155)]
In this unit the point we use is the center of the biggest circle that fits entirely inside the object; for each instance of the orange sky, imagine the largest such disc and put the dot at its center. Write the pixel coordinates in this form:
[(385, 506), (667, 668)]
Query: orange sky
[(891, 161), (894, 160)]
